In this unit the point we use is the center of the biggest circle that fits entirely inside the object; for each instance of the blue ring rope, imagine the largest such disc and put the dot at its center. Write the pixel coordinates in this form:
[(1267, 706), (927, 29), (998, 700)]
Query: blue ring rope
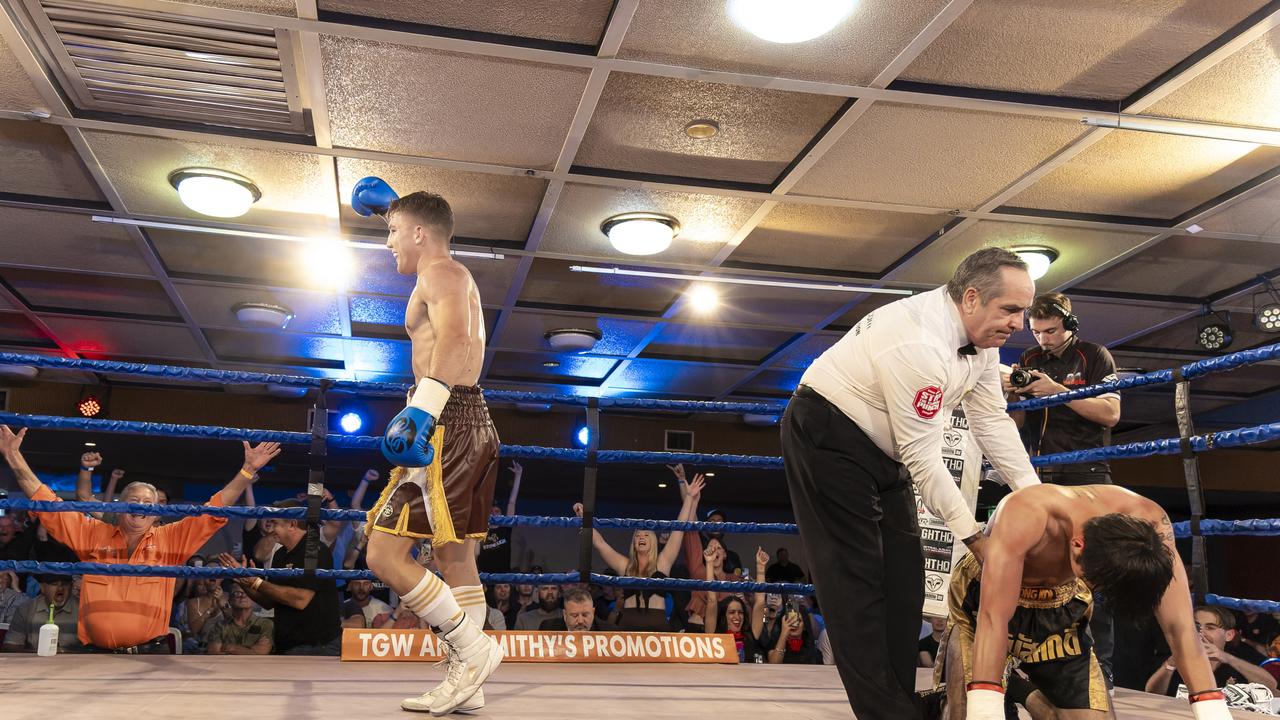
[(1258, 606)]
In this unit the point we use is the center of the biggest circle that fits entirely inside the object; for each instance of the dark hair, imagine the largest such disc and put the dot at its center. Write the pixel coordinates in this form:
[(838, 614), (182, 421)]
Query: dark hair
[(289, 503), (1125, 560), (1226, 618), (429, 208), (982, 271), (749, 641), (578, 595), (1043, 307)]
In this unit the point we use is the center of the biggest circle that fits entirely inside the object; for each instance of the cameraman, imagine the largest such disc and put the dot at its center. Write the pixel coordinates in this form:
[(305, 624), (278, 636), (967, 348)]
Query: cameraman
[(1061, 361)]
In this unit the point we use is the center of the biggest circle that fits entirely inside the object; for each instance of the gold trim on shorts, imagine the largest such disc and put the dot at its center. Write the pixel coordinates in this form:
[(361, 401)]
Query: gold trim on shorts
[(442, 528)]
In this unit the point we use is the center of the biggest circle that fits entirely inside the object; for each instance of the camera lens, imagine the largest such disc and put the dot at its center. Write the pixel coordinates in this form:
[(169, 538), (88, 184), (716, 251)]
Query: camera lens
[(1020, 378)]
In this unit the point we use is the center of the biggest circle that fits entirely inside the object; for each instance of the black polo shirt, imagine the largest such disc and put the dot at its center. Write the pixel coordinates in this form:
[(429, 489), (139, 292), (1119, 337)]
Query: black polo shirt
[(318, 622), (495, 551), (1059, 428)]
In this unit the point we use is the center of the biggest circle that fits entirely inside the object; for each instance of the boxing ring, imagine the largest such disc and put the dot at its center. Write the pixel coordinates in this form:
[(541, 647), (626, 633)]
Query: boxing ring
[(122, 686)]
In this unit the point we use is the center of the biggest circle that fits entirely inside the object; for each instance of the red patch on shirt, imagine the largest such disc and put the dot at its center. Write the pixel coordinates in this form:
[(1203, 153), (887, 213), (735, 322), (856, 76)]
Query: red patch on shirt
[(928, 401)]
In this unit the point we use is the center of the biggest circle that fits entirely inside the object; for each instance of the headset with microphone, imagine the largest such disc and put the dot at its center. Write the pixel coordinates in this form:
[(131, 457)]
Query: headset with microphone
[(1069, 320)]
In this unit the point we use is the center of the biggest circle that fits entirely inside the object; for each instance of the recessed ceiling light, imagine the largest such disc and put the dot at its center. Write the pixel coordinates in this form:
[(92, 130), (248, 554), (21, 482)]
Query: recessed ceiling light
[(216, 193), (662, 485), (572, 339), (640, 233), (703, 299), (702, 129), (1193, 229), (1037, 257), (789, 22), (263, 315)]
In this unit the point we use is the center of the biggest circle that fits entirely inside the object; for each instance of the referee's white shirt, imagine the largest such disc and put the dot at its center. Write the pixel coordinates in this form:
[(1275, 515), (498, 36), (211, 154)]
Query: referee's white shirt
[(899, 373)]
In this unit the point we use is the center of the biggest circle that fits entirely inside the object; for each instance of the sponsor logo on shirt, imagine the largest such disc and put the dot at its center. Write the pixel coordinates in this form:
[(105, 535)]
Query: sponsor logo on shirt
[(928, 401)]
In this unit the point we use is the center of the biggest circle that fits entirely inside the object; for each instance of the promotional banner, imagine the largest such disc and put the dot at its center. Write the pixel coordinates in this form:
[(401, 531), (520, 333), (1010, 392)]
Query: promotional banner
[(558, 647), (942, 549)]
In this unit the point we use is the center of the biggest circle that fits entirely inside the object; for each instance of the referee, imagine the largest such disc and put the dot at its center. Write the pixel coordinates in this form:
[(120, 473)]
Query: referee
[(867, 420)]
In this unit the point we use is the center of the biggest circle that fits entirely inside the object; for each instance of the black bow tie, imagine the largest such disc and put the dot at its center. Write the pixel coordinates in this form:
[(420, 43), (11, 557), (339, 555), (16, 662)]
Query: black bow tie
[(968, 350)]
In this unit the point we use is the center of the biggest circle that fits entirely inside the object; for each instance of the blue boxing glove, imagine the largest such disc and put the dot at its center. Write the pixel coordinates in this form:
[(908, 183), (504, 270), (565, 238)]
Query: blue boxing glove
[(372, 196), (407, 441)]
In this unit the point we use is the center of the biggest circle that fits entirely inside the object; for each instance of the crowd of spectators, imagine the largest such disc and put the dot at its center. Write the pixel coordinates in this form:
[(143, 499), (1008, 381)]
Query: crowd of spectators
[(254, 616)]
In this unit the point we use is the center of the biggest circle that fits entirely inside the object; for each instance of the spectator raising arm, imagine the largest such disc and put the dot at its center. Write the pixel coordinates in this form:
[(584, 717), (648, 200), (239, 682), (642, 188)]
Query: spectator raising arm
[(517, 472), (616, 561), (11, 449), (255, 458)]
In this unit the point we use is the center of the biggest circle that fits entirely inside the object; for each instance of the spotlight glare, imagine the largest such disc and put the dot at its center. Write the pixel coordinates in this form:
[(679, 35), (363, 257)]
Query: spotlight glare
[(351, 422), (789, 22), (584, 436), (329, 264), (703, 299)]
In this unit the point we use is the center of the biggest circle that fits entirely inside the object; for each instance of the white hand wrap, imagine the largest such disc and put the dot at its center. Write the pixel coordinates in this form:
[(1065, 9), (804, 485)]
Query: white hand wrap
[(983, 704), (1210, 709), (430, 397)]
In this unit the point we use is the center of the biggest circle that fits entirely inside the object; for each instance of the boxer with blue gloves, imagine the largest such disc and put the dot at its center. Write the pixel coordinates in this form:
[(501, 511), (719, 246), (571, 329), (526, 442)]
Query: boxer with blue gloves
[(443, 444)]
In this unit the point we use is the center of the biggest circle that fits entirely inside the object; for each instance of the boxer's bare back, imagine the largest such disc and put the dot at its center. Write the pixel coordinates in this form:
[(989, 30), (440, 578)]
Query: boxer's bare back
[(445, 323)]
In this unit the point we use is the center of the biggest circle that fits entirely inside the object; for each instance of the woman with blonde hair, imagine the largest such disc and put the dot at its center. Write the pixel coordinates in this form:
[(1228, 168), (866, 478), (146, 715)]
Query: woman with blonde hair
[(646, 610)]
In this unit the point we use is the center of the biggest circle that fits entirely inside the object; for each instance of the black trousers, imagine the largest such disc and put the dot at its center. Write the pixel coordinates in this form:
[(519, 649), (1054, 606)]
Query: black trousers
[(857, 517)]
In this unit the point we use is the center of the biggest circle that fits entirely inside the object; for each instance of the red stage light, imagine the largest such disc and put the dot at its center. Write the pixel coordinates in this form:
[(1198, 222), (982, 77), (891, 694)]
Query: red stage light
[(89, 406)]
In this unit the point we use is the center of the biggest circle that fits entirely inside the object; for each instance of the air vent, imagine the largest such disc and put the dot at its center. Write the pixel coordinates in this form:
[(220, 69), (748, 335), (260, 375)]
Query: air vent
[(169, 66), (678, 441)]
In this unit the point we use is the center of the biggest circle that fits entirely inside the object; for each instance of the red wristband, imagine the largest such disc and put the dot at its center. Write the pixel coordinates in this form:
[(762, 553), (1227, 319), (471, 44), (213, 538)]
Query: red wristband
[(984, 685), (1214, 694)]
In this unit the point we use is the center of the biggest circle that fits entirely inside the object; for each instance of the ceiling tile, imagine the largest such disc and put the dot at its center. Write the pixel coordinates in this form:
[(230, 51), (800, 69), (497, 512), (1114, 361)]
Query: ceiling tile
[(529, 366), (702, 35), (1252, 379), (122, 339), (380, 356), (639, 124), (488, 207), (666, 377), (934, 157), (714, 343), (39, 160), (378, 310), (707, 222), (17, 330), (211, 306), (1147, 175), (277, 263), (800, 354), (1074, 48), (286, 8), (791, 308), (16, 89), (1106, 323), (467, 107), (1257, 214), (1188, 265), (1240, 90), (527, 330), (297, 188), (51, 291), (771, 383), (1079, 250), (580, 22), (861, 310), (276, 348), (551, 282), (66, 240), (834, 238)]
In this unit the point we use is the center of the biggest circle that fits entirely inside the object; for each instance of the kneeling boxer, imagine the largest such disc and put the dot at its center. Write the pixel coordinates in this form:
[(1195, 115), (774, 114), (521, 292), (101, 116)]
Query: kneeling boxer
[(1028, 604)]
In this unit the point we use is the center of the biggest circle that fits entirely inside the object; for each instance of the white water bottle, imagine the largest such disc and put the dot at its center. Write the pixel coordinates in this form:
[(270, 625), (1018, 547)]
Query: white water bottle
[(48, 637)]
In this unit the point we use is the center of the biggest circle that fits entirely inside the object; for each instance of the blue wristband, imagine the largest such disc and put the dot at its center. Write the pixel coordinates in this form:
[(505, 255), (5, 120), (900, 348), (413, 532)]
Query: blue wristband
[(87, 469)]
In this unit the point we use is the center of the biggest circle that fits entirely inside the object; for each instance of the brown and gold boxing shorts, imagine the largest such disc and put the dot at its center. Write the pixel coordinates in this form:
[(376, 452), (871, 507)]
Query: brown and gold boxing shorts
[(450, 499), (1048, 637)]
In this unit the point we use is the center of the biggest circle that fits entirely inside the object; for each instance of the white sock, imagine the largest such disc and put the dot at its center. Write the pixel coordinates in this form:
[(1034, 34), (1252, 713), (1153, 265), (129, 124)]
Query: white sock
[(431, 600), (471, 599)]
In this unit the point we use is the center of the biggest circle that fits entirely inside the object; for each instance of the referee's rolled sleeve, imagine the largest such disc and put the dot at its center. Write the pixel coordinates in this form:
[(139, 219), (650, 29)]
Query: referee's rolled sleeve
[(995, 431), (904, 372)]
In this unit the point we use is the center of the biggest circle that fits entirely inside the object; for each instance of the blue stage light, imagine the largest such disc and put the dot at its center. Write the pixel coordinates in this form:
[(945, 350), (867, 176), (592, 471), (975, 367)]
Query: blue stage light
[(351, 422), (584, 436)]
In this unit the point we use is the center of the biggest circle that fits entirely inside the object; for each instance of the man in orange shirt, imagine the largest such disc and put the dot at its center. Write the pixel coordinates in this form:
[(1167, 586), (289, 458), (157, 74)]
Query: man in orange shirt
[(118, 613)]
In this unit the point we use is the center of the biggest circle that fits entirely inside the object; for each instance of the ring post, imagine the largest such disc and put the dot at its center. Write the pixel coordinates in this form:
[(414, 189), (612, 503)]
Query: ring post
[(589, 490), (1195, 492)]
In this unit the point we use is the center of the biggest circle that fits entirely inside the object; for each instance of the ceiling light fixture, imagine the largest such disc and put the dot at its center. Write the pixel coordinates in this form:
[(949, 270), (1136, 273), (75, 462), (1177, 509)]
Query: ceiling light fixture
[(737, 280), (572, 339), (262, 315), (1037, 257), (355, 244), (1170, 126), (1215, 333), (640, 233), (216, 193), (703, 299), (789, 22), (1266, 314), (702, 129)]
